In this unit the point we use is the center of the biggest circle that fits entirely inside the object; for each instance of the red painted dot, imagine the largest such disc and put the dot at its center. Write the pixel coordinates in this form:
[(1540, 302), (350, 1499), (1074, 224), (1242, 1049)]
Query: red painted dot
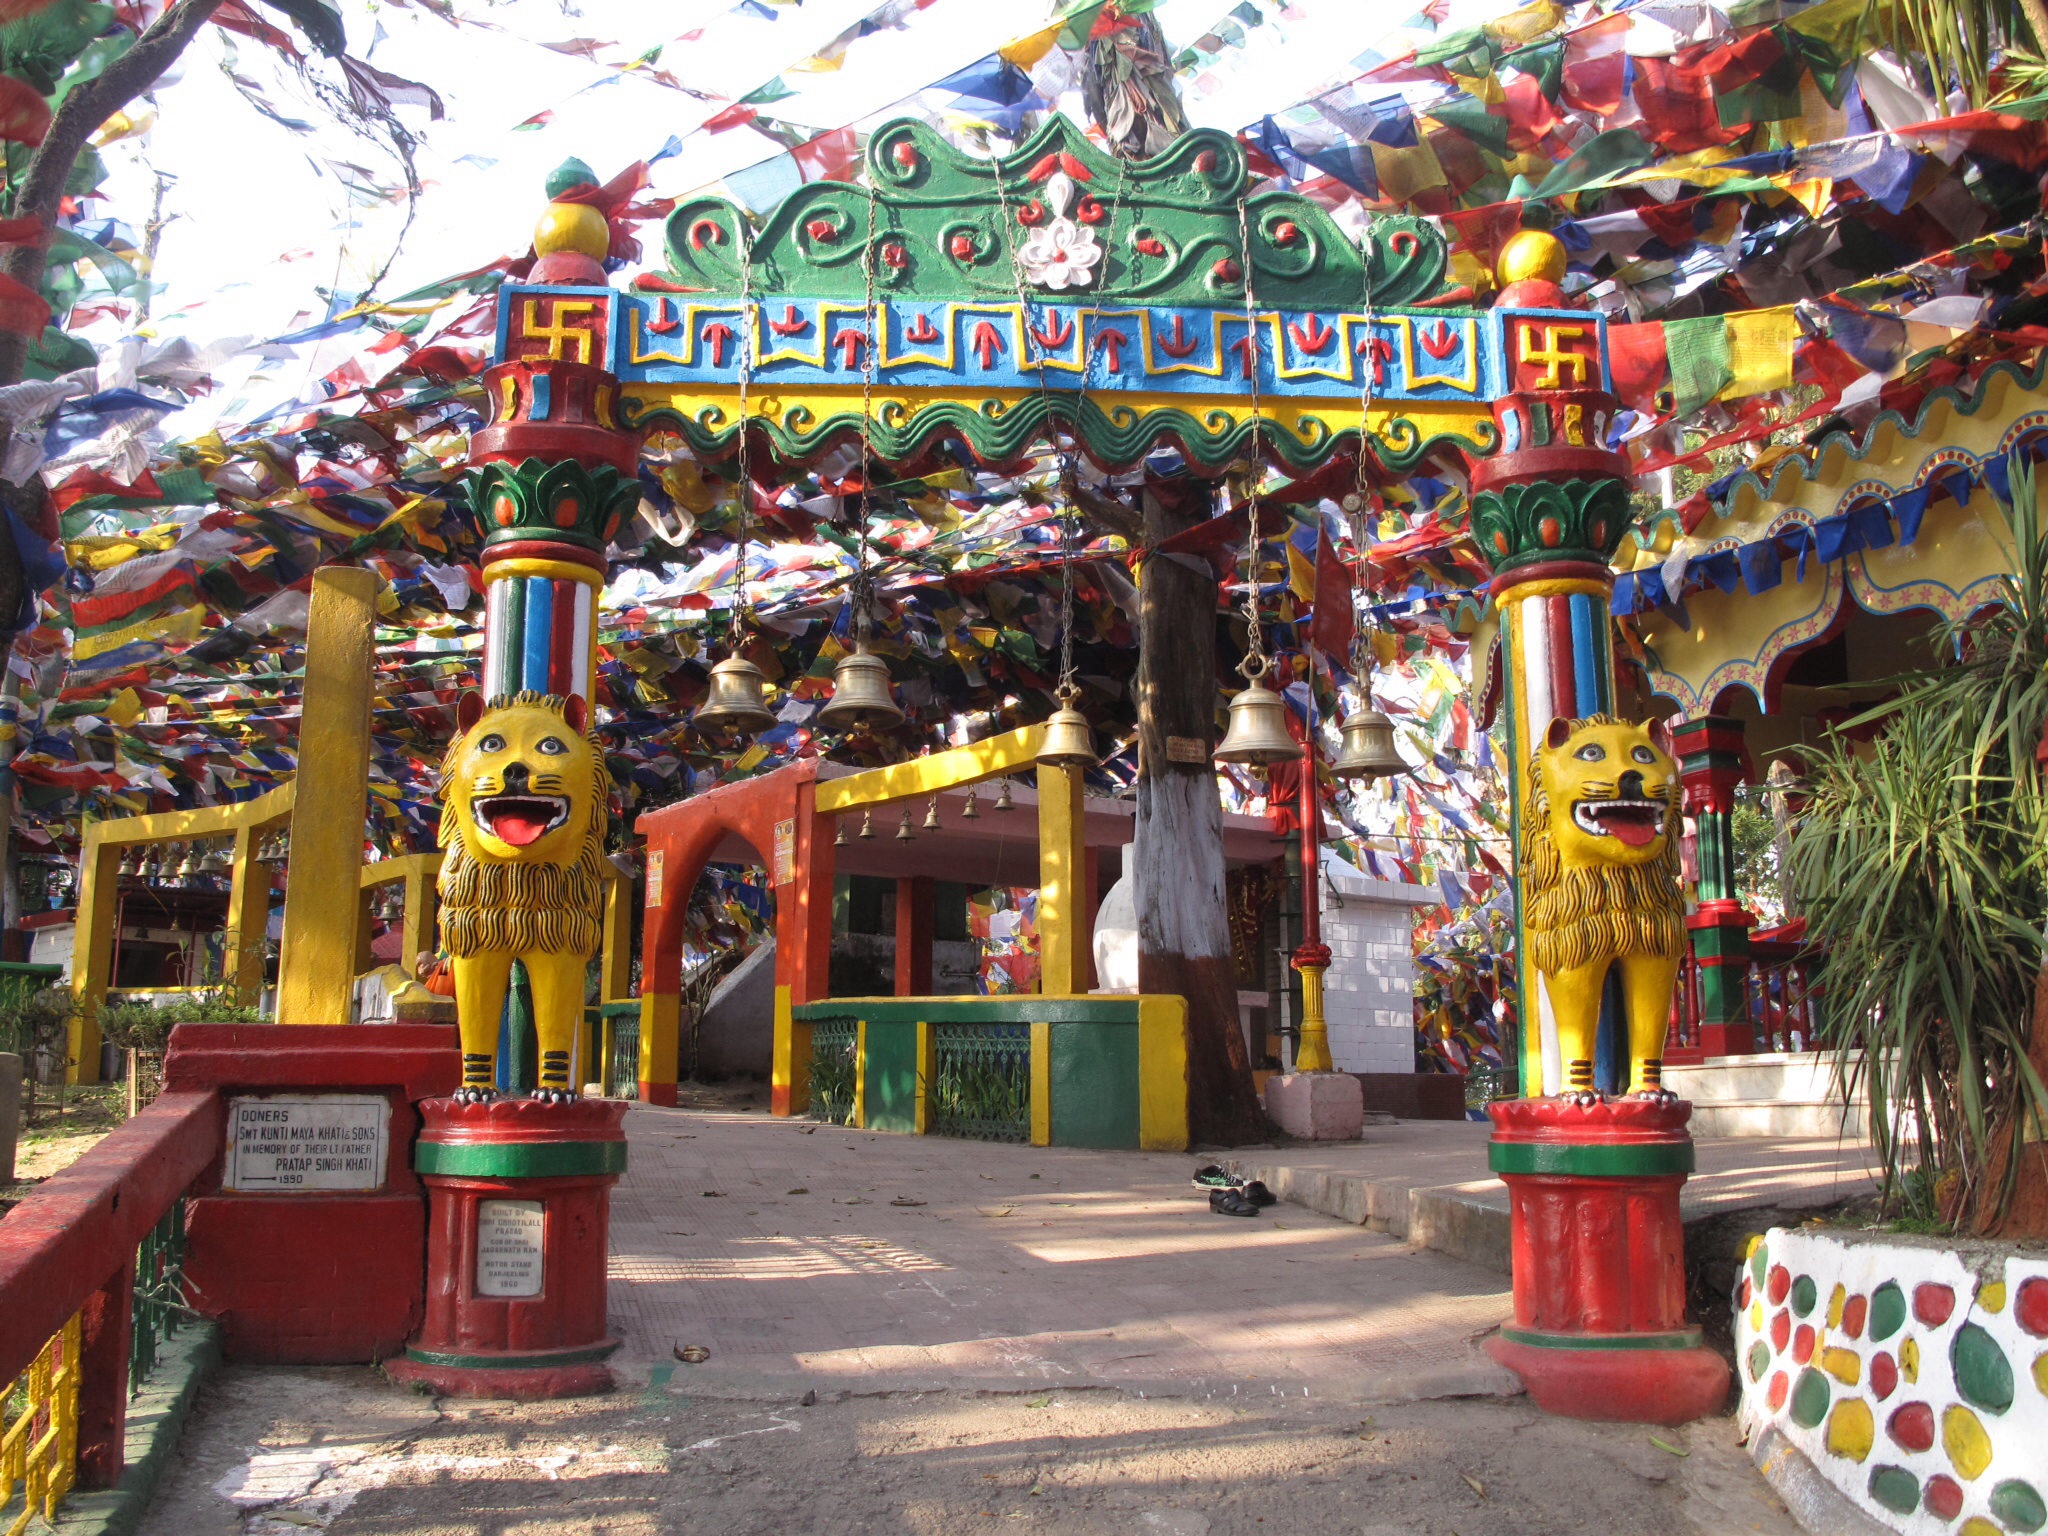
[(1781, 1385), (503, 510), (1943, 1497), (2031, 1307), (1884, 1376), (1853, 1314), (1500, 542), (1779, 1285), (1802, 1343), (611, 529), (1932, 1303), (1781, 1330), (567, 510), (1912, 1426), (1551, 532), (1742, 1295)]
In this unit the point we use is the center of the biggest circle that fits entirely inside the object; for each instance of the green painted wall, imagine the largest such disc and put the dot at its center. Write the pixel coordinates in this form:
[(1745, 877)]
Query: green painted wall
[(1094, 1084), (892, 1076)]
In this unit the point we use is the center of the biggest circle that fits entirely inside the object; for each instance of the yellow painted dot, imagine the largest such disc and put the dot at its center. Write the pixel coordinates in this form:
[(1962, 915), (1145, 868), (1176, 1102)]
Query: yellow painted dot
[(1909, 1360), (1963, 1437), (1992, 1297), (1977, 1525), (572, 227), (2041, 1373), (1756, 1241), (1756, 1319), (1836, 1301), (1851, 1429), (1845, 1365), (1532, 253)]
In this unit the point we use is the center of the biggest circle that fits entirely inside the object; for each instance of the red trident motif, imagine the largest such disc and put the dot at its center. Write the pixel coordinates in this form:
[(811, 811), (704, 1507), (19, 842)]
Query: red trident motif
[(1181, 343), (1311, 336), (986, 344), (921, 329), (1439, 340), (1056, 331)]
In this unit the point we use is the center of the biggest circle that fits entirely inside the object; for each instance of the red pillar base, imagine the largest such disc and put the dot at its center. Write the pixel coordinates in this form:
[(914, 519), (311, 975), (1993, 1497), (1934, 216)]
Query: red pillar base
[(1599, 1249), (525, 1378), (1653, 1385), (658, 1093)]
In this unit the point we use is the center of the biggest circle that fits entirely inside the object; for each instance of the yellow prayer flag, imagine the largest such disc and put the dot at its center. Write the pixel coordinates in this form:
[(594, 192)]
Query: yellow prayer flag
[(125, 708), (1027, 51), (1760, 346)]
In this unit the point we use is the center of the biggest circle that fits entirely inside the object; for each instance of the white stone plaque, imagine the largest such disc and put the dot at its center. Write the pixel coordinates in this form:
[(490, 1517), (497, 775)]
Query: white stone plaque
[(292, 1143), (511, 1245)]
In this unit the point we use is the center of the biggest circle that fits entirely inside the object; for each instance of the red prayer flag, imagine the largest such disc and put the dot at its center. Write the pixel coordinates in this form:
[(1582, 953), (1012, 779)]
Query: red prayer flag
[(1638, 364), (1335, 623), (1596, 66)]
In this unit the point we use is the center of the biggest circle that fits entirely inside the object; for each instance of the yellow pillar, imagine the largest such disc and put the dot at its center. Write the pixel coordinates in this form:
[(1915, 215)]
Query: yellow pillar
[(421, 925), (1313, 1053), (615, 966), (248, 918), (92, 958), (1062, 887), (317, 971)]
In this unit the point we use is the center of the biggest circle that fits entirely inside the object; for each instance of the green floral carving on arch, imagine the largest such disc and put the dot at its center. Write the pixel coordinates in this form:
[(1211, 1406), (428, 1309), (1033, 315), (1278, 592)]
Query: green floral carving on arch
[(543, 499), (946, 226), (1519, 525), (1114, 435)]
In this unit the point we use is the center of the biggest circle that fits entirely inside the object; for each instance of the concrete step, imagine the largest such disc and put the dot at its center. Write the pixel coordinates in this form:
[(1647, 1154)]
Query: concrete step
[(1466, 1221), (1805, 1077), (1778, 1117)]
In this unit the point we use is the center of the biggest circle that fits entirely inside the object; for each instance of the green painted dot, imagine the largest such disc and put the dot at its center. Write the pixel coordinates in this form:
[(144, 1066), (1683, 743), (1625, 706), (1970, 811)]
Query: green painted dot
[(1759, 1360), (1983, 1374), (1810, 1397), (1896, 1489), (2019, 1506), (1803, 1295), (1759, 1264), (1887, 1310)]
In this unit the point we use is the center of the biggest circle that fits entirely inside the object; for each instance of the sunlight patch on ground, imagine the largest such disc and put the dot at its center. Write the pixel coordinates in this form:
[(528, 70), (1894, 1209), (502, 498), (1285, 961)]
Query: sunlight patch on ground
[(777, 1258)]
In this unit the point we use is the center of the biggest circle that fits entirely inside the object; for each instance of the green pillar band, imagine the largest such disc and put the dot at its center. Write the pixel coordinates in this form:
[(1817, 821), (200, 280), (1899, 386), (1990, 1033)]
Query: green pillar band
[(1683, 1338), (520, 1159), (446, 1361), (1608, 1160)]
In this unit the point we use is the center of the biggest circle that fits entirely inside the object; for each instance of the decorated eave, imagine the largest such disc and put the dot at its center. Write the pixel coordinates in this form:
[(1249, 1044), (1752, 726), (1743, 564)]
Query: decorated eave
[(1054, 288), (1906, 515)]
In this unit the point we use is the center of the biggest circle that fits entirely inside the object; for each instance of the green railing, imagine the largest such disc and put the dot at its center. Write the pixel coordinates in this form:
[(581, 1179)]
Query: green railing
[(159, 1305), (835, 1070), (617, 1028), (981, 1082)]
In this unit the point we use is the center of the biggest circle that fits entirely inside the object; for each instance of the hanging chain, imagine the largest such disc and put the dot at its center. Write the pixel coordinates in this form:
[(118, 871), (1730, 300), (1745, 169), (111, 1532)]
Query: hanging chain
[(1361, 498), (863, 585), (1254, 665), (735, 633)]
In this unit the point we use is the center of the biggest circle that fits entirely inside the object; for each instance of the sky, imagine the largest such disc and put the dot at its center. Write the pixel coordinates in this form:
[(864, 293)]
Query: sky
[(263, 217)]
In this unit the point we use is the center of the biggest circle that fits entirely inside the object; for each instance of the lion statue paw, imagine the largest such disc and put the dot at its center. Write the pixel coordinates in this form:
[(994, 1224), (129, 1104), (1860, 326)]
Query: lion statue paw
[(475, 1095), (1655, 1095), (555, 1095), (1584, 1099)]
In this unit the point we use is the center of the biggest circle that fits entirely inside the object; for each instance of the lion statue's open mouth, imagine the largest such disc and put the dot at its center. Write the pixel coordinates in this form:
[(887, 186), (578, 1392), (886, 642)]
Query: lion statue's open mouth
[(520, 819), (1634, 822)]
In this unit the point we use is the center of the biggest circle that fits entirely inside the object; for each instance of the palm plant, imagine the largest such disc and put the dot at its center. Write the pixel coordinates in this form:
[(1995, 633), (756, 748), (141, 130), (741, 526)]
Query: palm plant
[(1959, 39), (1920, 863)]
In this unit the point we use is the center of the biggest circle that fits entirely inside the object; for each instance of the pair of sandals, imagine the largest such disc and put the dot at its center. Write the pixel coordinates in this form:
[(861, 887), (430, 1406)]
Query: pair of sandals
[(1231, 1196)]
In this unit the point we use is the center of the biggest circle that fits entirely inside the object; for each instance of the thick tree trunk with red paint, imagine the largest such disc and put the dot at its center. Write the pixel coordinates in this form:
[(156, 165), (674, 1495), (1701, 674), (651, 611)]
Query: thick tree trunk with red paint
[(1183, 926)]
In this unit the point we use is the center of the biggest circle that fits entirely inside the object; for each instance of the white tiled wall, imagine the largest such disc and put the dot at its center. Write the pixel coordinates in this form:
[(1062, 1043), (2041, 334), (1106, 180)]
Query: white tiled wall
[(1368, 992)]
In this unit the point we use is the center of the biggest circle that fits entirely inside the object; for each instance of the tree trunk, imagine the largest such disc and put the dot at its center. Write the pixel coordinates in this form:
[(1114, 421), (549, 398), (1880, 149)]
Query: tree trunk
[(1183, 926), (2027, 1213)]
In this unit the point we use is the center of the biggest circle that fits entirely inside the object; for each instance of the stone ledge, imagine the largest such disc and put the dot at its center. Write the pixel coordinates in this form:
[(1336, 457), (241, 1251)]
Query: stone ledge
[(156, 1418)]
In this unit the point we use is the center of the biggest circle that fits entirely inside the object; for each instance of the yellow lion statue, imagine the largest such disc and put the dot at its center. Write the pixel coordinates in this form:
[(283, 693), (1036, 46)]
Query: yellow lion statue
[(525, 800), (1600, 885)]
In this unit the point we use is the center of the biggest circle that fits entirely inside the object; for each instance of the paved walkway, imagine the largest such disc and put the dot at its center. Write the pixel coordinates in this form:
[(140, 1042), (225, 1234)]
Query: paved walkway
[(845, 1259), (1427, 1181)]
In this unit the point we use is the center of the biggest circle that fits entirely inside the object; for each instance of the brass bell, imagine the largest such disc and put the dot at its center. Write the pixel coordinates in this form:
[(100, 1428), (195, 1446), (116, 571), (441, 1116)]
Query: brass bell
[(970, 812), (1003, 799), (216, 861), (1257, 736), (861, 697), (188, 867), (867, 824), (1368, 752), (838, 831), (1069, 743), (127, 868), (931, 815), (735, 705), (903, 832)]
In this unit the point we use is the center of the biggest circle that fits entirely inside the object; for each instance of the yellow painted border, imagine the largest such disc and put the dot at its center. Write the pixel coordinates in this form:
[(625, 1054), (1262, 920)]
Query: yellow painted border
[(860, 1073), (1163, 1072), (661, 1015), (789, 1067), (919, 776), (553, 570), (1556, 586), (1041, 1085)]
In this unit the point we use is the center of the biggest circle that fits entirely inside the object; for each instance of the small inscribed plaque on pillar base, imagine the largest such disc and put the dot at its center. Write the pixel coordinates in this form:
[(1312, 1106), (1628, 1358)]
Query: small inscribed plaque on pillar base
[(510, 1247), (785, 852), (289, 1144), (1186, 749), (654, 862)]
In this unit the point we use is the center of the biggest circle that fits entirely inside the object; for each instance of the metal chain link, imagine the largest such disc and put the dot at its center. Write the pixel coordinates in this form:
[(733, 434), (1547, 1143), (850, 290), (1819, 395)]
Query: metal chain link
[(735, 634), (1361, 509), (1254, 665), (863, 582)]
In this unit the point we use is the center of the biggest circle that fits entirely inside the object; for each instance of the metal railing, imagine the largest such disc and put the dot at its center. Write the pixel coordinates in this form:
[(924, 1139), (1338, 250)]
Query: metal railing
[(1781, 996), (981, 1081), (835, 1070), (103, 1238), (619, 1062)]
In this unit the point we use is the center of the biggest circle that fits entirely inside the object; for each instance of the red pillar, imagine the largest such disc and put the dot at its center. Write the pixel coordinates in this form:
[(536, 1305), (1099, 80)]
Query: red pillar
[(914, 936), (105, 1326), (1712, 766)]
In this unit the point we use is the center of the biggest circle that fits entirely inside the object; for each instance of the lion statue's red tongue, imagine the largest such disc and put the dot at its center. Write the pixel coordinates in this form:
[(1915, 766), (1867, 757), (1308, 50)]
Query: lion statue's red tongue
[(520, 827), (1637, 828)]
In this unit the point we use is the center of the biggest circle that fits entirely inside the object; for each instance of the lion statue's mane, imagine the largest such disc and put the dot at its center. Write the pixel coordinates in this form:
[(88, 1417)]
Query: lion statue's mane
[(523, 905), (1577, 914)]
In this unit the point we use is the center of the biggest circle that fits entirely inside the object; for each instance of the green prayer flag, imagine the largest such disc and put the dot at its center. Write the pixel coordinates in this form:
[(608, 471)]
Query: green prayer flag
[(1698, 351), (1546, 62), (1603, 155)]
